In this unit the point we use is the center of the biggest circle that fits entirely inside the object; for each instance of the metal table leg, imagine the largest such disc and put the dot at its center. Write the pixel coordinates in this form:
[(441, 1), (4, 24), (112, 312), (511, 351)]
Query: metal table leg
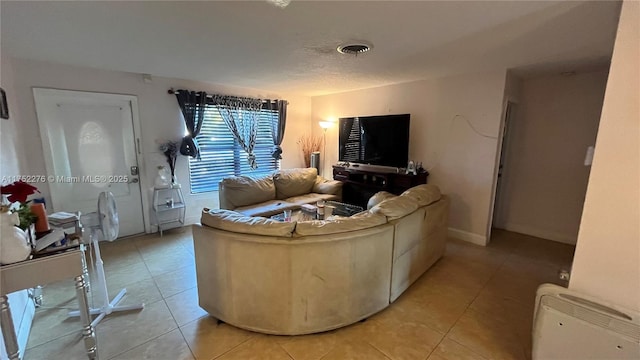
[(88, 332), (8, 331), (85, 271)]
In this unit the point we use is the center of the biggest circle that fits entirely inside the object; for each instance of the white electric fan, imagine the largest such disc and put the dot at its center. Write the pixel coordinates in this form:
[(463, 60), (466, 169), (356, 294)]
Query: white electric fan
[(104, 221)]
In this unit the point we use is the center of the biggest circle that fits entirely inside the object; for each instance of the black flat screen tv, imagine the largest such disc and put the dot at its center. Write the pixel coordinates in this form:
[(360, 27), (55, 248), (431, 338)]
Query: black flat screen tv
[(375, 140)]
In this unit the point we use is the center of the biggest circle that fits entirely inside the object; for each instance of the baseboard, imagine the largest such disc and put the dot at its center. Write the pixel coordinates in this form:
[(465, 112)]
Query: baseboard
[(467, 236), (541, 233)]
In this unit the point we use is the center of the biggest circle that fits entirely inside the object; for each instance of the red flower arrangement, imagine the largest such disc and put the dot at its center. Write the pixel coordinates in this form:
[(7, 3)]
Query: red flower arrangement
[(19, 191)]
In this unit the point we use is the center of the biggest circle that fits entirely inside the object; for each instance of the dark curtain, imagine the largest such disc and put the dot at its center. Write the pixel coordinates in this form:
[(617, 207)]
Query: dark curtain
[(278, 126), (192, 105)]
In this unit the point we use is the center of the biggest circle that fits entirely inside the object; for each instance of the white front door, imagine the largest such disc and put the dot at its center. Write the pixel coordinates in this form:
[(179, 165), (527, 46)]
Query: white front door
[(89, 147)]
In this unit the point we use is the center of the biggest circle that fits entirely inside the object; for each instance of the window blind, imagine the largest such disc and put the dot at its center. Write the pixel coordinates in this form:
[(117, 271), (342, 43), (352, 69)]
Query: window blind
[(222, 156)]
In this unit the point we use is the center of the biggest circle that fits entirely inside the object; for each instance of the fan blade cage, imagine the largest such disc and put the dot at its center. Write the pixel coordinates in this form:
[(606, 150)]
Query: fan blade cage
[(108, 215), (90, 220)]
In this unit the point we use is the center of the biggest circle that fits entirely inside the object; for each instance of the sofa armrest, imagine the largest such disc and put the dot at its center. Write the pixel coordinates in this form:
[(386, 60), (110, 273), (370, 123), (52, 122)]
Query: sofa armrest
[(331, 187), (222, 197)]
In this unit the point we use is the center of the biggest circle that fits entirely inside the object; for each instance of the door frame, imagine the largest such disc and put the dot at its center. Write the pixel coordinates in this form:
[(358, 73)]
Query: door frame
[(496, 168), (137, 136)]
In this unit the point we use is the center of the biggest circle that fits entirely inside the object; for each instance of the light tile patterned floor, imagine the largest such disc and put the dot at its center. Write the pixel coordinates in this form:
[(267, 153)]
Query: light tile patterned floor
[(475, 303)]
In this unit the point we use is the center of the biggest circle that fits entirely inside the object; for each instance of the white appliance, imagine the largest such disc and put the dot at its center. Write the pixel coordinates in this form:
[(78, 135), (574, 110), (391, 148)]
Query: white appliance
[(104, 221), (570, 325)]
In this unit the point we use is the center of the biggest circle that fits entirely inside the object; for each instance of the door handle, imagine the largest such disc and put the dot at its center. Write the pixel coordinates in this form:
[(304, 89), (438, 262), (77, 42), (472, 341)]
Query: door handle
[(134, 181)]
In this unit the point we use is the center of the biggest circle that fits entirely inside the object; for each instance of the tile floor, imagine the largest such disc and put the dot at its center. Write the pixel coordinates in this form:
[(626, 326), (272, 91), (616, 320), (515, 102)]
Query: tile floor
[(475, 303)]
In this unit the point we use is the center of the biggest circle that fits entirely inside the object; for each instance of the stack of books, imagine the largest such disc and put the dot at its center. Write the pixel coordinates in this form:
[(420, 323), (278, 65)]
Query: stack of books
[(65, 234), (60, 219)]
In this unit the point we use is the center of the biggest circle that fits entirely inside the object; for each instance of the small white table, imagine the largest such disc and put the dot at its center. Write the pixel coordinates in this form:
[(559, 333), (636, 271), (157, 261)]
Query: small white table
[(168, 206), (41, 271)]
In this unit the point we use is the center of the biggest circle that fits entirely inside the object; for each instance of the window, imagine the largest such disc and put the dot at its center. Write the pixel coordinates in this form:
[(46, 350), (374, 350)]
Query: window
[(222, 156)]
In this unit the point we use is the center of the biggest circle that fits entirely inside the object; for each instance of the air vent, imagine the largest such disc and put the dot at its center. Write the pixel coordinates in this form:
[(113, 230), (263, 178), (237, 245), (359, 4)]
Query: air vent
[(354, 48)]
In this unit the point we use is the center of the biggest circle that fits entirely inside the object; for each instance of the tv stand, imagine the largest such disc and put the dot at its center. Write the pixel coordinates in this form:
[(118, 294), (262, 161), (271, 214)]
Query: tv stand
[(359, 183)]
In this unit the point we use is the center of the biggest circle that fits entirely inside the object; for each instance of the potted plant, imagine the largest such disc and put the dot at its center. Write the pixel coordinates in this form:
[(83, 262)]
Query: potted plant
[(18, 192), (309, 144), (17, 226)]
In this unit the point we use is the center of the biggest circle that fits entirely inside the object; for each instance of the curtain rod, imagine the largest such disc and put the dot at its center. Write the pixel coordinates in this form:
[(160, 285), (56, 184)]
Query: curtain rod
[(173, 92)]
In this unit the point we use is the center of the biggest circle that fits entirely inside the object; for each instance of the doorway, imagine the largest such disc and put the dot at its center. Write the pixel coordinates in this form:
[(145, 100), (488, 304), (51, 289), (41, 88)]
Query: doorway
[(509, 118), (544, 175), (90, 146)]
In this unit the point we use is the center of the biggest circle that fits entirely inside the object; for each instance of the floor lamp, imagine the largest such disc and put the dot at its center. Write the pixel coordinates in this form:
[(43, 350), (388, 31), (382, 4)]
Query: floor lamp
[(324, 125)]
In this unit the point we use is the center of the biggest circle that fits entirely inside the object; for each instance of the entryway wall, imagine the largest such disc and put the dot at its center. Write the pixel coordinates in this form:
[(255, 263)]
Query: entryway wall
[(544, 176), (159, 112)]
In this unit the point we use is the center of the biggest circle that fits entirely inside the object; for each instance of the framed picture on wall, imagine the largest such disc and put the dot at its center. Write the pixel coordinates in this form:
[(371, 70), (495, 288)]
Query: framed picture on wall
[(4, 108)]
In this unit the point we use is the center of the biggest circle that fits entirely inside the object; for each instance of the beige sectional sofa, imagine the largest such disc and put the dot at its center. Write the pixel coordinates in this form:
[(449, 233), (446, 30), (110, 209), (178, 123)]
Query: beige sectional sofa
[(270, 195), (305, 277)]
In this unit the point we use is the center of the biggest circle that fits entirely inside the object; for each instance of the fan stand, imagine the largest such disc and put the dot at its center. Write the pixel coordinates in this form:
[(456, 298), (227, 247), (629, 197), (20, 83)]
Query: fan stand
[(101, 285)]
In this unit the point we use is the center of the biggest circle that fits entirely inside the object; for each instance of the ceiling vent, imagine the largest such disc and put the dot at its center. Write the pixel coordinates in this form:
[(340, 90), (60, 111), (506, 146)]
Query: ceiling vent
[(356, 48)]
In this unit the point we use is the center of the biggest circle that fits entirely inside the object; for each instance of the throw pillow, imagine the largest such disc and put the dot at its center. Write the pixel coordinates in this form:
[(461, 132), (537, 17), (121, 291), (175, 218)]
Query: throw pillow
[(395, 207), (378, 198), (424, 194)]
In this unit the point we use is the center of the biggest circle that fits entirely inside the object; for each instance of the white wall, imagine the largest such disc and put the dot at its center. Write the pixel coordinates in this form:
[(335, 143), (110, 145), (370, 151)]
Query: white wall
[(12, 161), (461, 162), (607, 259), (160, 117), (513, 87), (544, 177)]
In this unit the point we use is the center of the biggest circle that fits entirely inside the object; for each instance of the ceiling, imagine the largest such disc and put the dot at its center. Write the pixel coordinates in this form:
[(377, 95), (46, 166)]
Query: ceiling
[(292, 50)]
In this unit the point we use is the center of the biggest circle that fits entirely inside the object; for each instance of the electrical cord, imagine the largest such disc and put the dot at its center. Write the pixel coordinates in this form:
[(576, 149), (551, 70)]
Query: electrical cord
[(476, 130), (453, 119)]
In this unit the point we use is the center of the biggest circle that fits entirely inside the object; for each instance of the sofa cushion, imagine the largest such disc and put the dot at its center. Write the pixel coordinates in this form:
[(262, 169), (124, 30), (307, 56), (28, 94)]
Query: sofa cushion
[(235, 222), (266, 208), (243, 190), (339, 224), (294, 182), (396, 207), (310, 198), (324, 186), (378, 198), (424, 194)]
